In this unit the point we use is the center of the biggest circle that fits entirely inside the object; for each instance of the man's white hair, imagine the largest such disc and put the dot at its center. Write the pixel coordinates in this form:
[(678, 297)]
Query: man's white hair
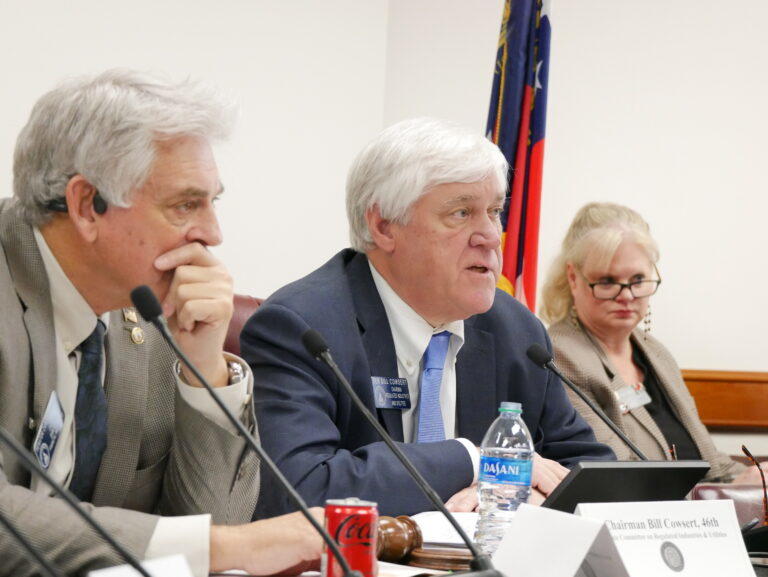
[(408, 159), (105, 128)]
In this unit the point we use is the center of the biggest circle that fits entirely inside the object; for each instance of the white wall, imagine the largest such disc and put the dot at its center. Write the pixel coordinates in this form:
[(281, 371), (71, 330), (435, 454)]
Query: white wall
[(309, 76), (654, 104), (440, 59), (661, 106)]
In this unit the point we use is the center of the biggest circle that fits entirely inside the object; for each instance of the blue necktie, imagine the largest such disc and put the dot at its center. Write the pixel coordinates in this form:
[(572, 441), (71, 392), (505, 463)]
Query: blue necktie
[(90, 416), (431, 426)]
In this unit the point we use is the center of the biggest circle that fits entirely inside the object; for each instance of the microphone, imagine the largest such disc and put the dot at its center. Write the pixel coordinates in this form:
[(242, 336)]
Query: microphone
[(147, 304), (756, 538), (32, 465), (46, 568), (543, 358), (481, 564), (150, 309)]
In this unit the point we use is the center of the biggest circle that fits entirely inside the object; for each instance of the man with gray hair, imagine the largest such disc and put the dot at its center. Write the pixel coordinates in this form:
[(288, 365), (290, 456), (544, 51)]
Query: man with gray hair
[(114, 187), (414, 320)]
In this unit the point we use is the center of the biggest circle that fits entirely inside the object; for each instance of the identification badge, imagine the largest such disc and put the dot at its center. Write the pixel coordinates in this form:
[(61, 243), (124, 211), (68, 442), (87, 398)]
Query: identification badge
[(48, 434), (391, 393), (632, 396)]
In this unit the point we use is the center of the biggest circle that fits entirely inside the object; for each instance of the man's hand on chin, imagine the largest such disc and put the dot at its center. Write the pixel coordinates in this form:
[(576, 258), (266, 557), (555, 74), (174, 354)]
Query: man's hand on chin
[(198, 307)]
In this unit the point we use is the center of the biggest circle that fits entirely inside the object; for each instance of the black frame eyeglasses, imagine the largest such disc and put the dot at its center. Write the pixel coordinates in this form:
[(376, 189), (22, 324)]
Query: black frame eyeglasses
[(640, 289)]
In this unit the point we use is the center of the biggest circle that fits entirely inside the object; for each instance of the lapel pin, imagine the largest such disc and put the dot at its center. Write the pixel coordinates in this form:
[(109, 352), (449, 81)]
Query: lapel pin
[(129, 315), (137, 335)]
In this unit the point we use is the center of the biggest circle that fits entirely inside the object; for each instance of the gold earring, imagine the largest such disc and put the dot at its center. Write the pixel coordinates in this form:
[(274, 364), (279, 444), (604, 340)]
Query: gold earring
[(574, 316)]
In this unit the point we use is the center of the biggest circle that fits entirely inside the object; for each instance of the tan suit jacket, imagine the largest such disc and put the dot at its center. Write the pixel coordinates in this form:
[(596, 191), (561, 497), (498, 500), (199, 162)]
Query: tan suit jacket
[(582, 360), (162, 456)]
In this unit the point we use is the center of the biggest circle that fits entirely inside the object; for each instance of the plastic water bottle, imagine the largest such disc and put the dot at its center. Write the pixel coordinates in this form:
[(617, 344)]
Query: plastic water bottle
[(506, 464)]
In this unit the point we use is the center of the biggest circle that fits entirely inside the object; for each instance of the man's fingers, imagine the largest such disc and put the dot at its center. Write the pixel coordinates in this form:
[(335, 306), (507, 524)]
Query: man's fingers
[(545, 480), (560, 471), (464, 501), (190, 274), (199, 306), (553, 466), (191, 253), (196, 282), (318, 513), (218, 289), (536, 497), (547, 474), (208, 311)]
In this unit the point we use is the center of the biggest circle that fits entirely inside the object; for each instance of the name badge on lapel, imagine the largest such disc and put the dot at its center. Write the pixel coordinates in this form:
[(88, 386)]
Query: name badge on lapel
[(391, 393), (632, 397), (49, 432)]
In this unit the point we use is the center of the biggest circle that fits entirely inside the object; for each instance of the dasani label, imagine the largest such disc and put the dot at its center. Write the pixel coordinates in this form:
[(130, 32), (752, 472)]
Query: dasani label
[(507, 471)]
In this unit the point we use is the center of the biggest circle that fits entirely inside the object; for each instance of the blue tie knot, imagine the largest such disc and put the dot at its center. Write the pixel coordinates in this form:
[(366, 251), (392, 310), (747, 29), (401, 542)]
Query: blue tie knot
[(94, 343), (434, 357)]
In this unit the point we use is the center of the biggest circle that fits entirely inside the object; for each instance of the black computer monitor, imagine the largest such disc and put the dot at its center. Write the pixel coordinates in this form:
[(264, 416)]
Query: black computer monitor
[(620, 481)]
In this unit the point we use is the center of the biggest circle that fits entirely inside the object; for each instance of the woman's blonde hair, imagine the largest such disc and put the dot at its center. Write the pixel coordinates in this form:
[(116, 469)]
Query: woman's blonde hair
[(596, 232)]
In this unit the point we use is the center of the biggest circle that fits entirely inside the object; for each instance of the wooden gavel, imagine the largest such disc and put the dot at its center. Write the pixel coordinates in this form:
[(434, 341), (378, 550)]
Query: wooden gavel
[(400, 541), (397, 538)]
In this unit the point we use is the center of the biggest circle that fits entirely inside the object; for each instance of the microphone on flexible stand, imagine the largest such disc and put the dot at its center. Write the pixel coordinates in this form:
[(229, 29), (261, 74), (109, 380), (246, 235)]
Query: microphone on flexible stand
[(756, 537), (481, 564), (46, 568), (543, 358), (32, 465), (150, 309)]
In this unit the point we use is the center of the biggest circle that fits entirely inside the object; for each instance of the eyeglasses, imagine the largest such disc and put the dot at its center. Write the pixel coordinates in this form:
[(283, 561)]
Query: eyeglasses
[(609, 290), (756, 463)]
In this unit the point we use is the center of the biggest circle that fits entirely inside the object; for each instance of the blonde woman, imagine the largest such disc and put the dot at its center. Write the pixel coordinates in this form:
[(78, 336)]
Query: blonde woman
[(595, 297)]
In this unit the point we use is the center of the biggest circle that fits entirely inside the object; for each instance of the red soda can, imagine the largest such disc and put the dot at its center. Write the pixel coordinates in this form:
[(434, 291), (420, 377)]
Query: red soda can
[(354, 525)]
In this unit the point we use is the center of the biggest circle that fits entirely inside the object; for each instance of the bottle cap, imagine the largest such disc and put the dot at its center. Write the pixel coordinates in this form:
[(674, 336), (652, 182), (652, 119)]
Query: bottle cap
[(510, 407)]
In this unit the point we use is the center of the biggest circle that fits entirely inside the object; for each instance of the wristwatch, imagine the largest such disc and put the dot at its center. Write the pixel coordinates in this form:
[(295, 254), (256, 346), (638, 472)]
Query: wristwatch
[(235, 372)]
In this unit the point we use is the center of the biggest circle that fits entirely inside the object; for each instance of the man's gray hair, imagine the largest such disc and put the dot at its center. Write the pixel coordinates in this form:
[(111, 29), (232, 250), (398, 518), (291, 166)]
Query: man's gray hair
[(408, 159), (105, 128)]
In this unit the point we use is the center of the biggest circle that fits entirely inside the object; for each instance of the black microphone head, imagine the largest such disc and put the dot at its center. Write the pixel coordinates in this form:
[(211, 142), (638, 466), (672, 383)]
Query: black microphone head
[(146, 303), (538, 354), (314, 343)]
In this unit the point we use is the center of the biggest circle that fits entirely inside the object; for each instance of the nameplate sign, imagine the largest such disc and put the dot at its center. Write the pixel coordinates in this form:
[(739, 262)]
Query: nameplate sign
[(547, 542), (173, 566), (696, 538)]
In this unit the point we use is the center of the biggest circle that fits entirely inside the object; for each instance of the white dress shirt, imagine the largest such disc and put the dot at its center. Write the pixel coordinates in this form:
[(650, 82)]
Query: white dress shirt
[(411, 335), (74, 321)]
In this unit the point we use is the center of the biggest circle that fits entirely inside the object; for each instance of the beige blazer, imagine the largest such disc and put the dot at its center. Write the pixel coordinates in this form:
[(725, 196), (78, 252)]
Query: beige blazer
[(582, 360), (162, 456)]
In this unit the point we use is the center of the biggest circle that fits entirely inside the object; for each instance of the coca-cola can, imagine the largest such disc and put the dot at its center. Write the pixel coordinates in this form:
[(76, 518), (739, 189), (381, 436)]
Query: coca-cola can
[(354, 525)]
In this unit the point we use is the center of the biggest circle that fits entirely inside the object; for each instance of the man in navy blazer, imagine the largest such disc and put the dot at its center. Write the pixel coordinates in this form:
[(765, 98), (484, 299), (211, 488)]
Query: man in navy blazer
[(413, 319)]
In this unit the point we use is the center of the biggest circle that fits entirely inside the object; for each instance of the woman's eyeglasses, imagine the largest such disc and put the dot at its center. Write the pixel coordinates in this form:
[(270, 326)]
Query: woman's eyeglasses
[(607, 290)]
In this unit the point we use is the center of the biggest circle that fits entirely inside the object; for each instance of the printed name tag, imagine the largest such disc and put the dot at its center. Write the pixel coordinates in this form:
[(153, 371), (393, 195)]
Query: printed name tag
[(391, 393), (632, 397), (48, 434)]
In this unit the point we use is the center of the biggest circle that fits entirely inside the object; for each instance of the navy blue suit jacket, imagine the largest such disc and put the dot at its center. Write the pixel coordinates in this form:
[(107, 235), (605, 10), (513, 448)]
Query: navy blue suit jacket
[(321, 442)]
